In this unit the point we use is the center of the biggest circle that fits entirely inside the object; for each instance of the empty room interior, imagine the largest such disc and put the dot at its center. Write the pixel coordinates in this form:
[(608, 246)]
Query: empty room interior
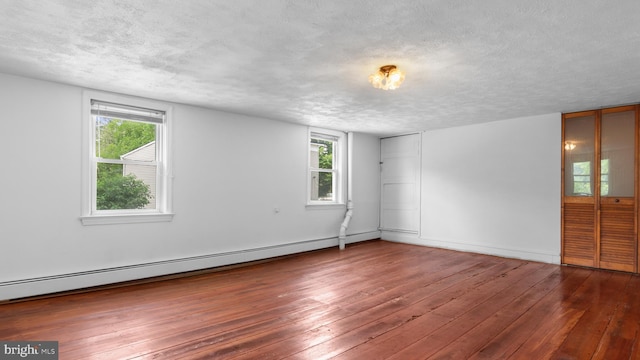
[(314, 179)]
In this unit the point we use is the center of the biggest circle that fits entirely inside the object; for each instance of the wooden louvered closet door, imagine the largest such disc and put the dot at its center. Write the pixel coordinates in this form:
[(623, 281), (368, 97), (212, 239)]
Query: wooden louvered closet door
[(579, 204), (617, 239), (599, 204)]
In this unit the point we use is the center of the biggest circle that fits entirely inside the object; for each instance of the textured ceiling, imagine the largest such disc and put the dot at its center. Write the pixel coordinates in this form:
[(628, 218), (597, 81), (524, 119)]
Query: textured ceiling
[(308, 61)]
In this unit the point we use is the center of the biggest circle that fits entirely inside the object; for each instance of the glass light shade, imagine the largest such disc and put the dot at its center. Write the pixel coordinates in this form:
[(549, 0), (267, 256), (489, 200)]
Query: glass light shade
[(396, 77), (376, 79), (387, 78)]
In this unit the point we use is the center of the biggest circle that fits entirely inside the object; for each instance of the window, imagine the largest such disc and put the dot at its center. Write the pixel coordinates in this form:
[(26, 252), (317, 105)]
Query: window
[(126, 167), (604, 177), (582, 178), (325, 180)]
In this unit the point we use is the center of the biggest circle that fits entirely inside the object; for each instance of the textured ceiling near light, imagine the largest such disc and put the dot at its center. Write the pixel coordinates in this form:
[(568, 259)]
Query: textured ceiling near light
[(308, 61)]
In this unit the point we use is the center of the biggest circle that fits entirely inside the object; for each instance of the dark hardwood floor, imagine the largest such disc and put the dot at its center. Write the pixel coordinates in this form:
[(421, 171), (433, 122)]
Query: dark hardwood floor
[(375, 300)]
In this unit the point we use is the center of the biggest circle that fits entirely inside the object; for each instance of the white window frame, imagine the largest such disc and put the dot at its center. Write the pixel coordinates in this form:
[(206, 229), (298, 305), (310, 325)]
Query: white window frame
[(163, 211), (339, 180)]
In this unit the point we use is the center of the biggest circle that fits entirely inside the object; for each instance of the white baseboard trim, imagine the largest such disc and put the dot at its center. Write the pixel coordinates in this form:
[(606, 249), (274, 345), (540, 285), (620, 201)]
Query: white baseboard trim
[(402, 237), (479, 249), (64, 282)]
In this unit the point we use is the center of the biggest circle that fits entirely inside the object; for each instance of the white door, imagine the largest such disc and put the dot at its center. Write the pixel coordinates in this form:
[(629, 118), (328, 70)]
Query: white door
[(400, 177)]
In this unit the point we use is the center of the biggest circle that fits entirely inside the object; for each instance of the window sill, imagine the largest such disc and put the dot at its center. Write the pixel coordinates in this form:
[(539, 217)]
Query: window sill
[(325, 206), (125, 219)]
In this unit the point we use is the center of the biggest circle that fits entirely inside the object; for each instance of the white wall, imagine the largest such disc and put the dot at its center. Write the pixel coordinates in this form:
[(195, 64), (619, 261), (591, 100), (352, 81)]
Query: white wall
[(231, 171), (494, 188)]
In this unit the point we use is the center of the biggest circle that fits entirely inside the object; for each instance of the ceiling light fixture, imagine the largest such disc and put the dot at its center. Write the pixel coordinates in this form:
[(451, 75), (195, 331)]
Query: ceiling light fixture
[(389, 77), (569, 145)]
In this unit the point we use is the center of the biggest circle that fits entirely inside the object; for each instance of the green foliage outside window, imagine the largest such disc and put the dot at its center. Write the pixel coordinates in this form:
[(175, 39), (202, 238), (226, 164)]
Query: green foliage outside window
[(325, 161), (122, 192), (114, 139)]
